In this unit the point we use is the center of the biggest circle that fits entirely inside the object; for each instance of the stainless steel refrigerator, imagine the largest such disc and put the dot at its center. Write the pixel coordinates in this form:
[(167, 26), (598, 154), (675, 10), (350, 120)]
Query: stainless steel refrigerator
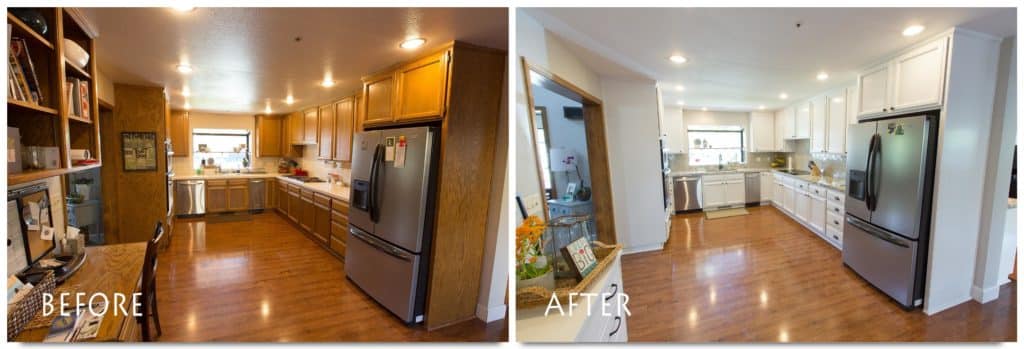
[(391, 216), (891, 166)]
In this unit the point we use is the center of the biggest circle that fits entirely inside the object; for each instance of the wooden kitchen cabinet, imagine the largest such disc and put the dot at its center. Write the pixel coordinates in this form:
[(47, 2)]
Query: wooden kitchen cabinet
[(339, 227), (282, 197), (420, 88), (269, 135), (325, 132), (306, 214), (819, 124), (296, 128), (377, 99), (180, 134), (238, 195), (310, 117), (294, 203), (216, 196), (321, 218), (344, 126)]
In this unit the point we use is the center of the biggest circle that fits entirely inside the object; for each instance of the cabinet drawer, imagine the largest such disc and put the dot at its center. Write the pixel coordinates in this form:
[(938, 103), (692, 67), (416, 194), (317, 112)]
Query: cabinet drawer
[(836, 196), (307, 195), (339, 230), (337, 245), (322, 200), (836, 208), (216, 183), (292, 188), (816, 190), (801, 185), (340, 206), (237, 182), (339, 217), (834, 221), (834, 235)]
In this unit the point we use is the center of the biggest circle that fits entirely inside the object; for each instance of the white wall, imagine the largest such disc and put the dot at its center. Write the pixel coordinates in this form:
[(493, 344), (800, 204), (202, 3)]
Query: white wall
[(564, 133), (634, 155)]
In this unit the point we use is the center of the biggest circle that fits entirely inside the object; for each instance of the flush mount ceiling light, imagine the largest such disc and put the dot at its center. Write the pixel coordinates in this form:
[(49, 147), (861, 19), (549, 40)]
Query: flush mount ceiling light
[(185, 91), (822, 76), (680, 88), (187, 106), (290, 100), (183, 68), (677, 59), (704, 109), (327, 81), (913, 30), (681, 103), (837, 100), (760, 107), (783, 95), (183, 8), (267, 109), (410, 44)]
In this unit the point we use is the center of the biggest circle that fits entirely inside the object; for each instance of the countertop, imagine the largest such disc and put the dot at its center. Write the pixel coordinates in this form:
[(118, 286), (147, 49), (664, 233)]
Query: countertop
[(826, 182), (822, 181), (179, 177), (335, 191), (706, 172)]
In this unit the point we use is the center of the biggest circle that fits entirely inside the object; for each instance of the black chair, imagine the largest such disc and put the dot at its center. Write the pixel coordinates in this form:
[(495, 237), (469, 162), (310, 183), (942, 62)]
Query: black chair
[(148, 286)]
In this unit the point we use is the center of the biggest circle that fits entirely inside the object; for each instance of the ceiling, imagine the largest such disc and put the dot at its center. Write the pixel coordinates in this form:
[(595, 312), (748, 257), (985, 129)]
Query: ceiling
[(244, 58), (742, 58)]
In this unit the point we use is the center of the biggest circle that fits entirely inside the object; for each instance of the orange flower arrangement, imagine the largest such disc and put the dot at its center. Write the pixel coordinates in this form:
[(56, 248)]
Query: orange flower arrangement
[(530, 261)]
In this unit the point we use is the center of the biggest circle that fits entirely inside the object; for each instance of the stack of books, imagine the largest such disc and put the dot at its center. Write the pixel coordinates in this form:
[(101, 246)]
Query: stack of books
[(22, 83), (77, 91)]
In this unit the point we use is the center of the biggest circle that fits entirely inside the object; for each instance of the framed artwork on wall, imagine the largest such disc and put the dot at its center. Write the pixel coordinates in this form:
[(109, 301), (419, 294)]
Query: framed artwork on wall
[(138, 151)]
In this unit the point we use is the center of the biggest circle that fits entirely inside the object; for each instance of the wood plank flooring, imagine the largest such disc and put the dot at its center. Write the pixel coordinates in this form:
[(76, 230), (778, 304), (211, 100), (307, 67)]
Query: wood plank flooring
[(765, 278), (262, 280)]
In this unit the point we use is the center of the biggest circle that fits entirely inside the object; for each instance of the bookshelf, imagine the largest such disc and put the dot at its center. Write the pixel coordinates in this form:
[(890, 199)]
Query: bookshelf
[(51, 122)]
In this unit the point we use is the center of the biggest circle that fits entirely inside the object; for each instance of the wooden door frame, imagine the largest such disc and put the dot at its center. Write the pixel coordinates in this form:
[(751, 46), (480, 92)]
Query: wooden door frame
[(597, 145)]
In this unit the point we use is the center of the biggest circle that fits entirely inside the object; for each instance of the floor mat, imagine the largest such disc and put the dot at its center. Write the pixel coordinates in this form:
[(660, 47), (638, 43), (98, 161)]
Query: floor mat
[(731, 212)]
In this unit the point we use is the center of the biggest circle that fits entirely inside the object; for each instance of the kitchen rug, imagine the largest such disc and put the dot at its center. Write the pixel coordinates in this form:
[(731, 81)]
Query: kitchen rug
[(731, 212)]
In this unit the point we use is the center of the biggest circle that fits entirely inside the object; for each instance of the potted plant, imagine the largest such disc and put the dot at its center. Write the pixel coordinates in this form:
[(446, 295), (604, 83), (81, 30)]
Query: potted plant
[(82, 187), (533, 266)]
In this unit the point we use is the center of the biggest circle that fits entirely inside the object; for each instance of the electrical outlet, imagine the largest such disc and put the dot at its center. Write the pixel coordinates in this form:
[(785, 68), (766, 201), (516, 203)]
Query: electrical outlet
[(532, 203)]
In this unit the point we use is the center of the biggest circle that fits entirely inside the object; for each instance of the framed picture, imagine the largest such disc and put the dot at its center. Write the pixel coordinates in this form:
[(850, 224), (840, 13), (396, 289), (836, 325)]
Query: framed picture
[(582, 257), (570, 189), (138, 151)]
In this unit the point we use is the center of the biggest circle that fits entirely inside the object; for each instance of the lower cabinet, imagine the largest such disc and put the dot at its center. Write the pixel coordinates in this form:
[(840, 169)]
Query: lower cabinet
[(321, 218), (339, 227), (282, 197), (238, 194), (818, 211), (307, 215), (216, 196), (788, 198), (817, 207), (803, 206), (294, 203)]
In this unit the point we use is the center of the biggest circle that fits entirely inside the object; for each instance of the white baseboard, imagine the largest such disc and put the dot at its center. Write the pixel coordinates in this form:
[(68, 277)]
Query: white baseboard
[(644, 248), (932, 309), (984, 295), (490, 314)]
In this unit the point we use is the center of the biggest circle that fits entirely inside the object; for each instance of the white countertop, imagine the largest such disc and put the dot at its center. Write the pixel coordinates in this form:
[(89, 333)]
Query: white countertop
[(193, 176), (713, 172), (336, 191)]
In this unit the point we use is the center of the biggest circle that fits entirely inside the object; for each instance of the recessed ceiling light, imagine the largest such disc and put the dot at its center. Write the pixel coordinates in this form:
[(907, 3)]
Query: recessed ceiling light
[(187, 106), (183, 8), (822, 76), (185, 91), (183, 68), (267, 109), (413, 43), (783, 95), (290, 100), (677, 59), (760, 107), (680, 88), (704, 108), (913, 30), (681, 103), (837, 100), (327, 81)]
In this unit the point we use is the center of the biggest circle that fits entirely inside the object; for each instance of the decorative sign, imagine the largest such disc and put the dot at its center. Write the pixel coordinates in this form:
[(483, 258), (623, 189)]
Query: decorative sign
[(138, 151), (582, 257)]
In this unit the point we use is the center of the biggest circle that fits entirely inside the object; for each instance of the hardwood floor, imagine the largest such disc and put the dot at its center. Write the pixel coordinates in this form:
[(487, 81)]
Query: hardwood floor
[(765, 278), (262, 280)]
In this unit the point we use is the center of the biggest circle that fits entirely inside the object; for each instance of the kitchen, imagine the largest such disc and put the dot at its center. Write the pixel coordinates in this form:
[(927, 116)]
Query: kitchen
[(285, 185), (812, 170)]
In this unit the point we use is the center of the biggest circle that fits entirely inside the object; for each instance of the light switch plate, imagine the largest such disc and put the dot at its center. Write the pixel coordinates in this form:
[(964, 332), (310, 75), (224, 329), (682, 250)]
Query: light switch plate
[(532, 203)]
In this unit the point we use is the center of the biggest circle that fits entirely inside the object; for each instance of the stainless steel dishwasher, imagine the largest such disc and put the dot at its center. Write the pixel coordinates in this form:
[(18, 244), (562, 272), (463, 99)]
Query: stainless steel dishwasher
[(752, 184), (190, 197), (257, 194), (687, 193)]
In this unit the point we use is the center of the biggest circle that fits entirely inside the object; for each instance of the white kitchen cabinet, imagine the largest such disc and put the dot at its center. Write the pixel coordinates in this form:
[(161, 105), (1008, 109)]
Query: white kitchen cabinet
[(851, 105), (788, 198), (788, 122), (762, 132), (712, 192), (819, 124), (778, 190), (802, 121), (912, 81), (836, 130), (735, 191), (767, 186), (818, 212), (675, 135), (781, 130), (803, 206)]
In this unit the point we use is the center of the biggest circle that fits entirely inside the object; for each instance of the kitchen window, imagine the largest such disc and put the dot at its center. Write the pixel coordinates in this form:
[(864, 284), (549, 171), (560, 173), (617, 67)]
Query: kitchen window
[(713, 145), (228, 148)]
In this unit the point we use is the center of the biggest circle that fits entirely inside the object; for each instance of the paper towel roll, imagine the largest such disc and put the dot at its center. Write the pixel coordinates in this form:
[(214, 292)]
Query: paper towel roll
[(79, 154)]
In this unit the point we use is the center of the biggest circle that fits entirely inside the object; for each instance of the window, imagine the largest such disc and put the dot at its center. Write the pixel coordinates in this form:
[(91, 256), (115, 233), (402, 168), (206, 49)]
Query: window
[(713, 145), (228, 148)]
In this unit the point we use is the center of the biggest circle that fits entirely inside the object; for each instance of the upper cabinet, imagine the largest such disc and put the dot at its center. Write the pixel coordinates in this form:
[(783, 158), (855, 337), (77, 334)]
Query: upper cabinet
[(912, 81), (325, 132), (783, 127), (295, 126), (675, 134), (837, 120), (421, 87), (802, 121), (310, 119), (819, 126), (269, 135), (411, 92), (180, 133), (762, 132), (344, 126)]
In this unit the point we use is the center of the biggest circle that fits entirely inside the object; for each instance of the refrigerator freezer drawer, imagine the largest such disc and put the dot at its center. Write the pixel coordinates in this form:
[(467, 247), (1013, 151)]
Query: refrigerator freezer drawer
[(887, 261), (384, 272)]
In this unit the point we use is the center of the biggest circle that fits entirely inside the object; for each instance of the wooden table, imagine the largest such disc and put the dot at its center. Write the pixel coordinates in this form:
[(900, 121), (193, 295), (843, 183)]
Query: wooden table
[(108, 269)]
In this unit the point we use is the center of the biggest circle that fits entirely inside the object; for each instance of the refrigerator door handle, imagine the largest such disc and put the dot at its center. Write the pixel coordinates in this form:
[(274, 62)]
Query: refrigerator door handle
[(878, 233), (374, 175), (382, 246), (870, 174)]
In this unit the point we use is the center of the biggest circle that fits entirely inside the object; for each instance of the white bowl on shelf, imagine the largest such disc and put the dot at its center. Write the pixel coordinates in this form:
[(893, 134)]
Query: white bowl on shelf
[(75, 54)]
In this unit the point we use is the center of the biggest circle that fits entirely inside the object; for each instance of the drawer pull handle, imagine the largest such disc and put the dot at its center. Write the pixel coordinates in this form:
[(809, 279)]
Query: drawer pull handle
[(618, 324), (615, 290), (836, 222)]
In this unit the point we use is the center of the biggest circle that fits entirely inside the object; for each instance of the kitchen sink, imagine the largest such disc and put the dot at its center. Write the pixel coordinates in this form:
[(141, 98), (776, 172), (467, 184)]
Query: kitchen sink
[(305, 179)]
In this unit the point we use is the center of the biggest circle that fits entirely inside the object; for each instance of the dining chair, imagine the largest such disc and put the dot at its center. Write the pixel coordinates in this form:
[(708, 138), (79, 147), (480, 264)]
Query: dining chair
[(148, 286)]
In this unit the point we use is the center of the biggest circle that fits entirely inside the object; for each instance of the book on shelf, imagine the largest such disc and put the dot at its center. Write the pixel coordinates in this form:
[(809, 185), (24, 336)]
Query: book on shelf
[(77, 91), (20, 62), (83, 91)]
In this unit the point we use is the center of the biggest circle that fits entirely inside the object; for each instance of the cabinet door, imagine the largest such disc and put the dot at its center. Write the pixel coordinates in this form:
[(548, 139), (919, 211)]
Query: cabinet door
[(294, 206), (421, 88), (873, 90), (713, 194), (789, 122), (307, 215), (788, 198), (818, 212), (344, 122), (673, 130), (180, 134), (802, 122), (919, 77), (766, 186), (377, 99), (238, 197), (296, 128), (777, 194), (837, 120), (736, 192), (322, 222), (325, 131), (310, 117), (282, 198), (762, 136), (216, 196), (852, 101), (803, 206), (780, 130), (268, 136), (819, 124)]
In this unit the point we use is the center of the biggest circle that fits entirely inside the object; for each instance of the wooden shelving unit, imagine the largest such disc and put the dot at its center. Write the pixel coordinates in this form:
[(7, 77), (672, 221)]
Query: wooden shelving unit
[(50, 123)]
